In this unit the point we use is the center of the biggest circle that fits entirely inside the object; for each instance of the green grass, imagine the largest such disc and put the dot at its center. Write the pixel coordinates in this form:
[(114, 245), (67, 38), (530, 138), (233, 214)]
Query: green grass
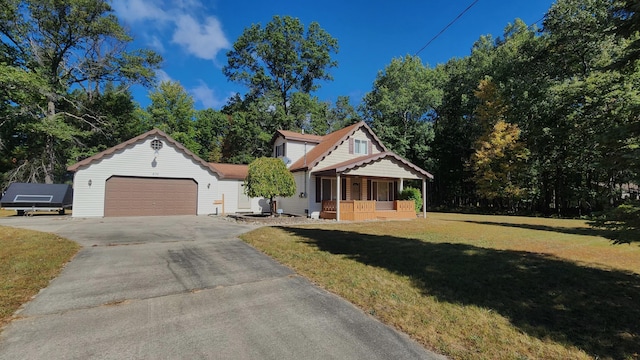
[(28, 261), (478, 287)]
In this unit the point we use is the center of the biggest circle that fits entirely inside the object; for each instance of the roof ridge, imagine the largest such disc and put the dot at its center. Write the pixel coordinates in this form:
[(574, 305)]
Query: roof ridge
[(154, 131), (320, 151)]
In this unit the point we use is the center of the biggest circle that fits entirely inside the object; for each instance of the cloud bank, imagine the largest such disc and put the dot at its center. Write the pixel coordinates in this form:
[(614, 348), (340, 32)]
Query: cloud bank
[(201, 37)]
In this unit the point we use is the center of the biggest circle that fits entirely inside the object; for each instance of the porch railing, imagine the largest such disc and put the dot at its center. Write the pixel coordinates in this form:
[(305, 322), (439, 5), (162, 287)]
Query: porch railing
[(366, 210)]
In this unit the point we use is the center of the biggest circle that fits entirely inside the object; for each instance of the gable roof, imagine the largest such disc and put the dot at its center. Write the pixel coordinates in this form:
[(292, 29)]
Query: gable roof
[(231, 171), (152, 133), (367, 159), (329, 143)]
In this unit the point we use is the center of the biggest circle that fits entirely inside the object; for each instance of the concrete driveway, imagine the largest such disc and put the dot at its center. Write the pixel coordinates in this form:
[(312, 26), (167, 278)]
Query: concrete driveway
[(185, 287)]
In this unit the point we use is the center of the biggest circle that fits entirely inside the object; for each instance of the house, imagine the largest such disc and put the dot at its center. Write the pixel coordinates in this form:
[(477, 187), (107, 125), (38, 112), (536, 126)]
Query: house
[(152, 174), (346, 175)]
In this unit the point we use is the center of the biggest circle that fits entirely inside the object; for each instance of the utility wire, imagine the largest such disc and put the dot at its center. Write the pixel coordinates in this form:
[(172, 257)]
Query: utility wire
[(446, 27)]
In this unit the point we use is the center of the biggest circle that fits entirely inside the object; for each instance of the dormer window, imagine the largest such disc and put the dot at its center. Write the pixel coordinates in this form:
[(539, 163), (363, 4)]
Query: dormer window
[(360, 147)]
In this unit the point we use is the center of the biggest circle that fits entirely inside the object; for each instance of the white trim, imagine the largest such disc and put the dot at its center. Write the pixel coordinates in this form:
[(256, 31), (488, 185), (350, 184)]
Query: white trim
[(338, 196)]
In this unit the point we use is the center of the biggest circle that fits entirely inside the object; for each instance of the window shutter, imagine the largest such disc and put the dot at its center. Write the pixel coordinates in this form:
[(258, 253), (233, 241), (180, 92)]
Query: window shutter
[(369, 190), (370, 147), (318, 190), (284, 149), (375, 191), (343, 188), (350, 145), (395, 190)]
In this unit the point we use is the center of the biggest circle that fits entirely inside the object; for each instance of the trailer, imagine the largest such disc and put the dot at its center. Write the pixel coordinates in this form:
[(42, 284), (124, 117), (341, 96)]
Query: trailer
[(26, 198)]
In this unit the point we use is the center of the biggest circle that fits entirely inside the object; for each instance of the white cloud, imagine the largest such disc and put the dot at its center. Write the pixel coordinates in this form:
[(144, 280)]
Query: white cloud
[(162, 76), (187, 4), (155, 43), (201, 40), (207, 96), (199, 36), (139, 10)]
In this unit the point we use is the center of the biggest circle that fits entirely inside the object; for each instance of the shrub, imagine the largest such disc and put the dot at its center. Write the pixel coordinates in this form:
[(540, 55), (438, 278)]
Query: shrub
[(414, 194)]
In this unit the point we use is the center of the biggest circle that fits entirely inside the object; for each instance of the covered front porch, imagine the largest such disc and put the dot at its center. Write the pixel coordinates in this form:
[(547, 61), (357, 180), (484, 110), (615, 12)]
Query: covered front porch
[(368, 188)]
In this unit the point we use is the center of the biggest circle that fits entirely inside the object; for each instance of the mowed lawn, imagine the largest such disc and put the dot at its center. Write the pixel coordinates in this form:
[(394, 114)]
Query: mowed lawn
[(478, 287), (28, 261)]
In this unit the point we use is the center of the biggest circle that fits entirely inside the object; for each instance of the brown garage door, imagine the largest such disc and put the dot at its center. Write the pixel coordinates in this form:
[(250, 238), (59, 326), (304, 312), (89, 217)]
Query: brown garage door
[(130, 196)]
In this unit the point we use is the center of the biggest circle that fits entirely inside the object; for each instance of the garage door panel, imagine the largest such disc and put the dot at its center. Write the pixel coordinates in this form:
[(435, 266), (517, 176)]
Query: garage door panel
[(128, 196)]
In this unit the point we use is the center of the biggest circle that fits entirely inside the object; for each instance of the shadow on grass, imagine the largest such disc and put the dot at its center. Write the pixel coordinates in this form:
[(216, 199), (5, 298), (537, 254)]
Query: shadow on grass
[(616, 236), (595, 310)]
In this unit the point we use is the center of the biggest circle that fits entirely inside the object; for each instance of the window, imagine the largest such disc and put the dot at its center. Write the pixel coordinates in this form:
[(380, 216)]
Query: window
[(383, 190), (360, 147), (329, 189), (280, 150)]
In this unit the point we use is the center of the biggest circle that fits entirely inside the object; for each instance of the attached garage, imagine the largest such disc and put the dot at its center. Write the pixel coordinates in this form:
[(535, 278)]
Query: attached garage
[(154, 175), (149, 175), (136, 196)]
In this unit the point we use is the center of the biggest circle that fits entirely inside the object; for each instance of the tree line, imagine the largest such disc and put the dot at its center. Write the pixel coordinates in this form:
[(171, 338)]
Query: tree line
[(541, 119)]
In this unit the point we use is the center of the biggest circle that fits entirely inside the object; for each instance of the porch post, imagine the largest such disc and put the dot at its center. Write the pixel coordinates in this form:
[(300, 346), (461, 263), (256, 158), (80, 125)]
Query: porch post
[(424, 198), (338, 196), (401, 185)]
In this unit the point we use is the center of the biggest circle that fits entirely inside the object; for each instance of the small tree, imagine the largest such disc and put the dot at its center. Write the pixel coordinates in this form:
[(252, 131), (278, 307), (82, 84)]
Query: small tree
[(268, 178)]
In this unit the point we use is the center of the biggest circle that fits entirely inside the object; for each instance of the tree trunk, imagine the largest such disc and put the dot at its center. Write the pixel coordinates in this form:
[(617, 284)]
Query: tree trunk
[(49, 149)]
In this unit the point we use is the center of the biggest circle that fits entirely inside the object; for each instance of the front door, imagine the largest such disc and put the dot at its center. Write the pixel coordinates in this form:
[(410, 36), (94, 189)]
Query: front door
[(355, 189)]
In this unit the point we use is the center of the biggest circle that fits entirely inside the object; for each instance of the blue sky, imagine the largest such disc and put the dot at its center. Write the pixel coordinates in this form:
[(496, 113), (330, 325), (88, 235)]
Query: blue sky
[(193, 36)]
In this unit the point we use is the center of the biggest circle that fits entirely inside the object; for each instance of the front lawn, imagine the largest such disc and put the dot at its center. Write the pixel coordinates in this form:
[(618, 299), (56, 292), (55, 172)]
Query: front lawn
[(28, 261), (478, 287)]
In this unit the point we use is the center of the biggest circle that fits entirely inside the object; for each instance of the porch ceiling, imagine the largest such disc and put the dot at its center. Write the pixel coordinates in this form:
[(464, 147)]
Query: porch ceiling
[(385, 164)]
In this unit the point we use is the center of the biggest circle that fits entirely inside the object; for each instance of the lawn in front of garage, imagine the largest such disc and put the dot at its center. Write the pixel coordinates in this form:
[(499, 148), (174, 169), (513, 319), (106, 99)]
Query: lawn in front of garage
[(28, 261)]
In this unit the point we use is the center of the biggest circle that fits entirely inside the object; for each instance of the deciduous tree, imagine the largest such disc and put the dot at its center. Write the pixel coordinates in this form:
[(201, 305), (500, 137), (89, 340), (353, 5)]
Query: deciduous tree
[(281, 57), (268, 178), (172, 111), (401, 106), (63, 45), (499, 155)]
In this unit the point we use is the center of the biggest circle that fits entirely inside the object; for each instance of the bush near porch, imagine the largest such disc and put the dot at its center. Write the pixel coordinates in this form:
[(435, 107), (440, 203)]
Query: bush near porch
[(410, 193)]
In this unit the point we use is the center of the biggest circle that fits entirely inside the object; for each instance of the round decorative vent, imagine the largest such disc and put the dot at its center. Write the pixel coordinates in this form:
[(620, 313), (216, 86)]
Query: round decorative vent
[(156, 145)]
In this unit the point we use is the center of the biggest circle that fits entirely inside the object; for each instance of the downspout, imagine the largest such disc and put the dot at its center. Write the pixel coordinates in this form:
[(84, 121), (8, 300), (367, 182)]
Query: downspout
[(338, 196), (305, 181)]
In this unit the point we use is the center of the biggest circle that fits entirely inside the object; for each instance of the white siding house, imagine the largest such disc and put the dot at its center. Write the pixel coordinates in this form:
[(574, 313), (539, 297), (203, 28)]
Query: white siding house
[(152, 174), (348, 170)]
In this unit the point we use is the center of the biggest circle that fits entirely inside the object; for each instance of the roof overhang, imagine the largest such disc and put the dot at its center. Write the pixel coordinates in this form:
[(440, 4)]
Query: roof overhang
[(155, 133), (294, 136), (358, 166)]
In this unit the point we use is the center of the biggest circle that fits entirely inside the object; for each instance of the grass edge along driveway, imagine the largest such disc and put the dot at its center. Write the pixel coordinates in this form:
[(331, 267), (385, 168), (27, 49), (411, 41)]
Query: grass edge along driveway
[(29, 260), (478, 287)]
